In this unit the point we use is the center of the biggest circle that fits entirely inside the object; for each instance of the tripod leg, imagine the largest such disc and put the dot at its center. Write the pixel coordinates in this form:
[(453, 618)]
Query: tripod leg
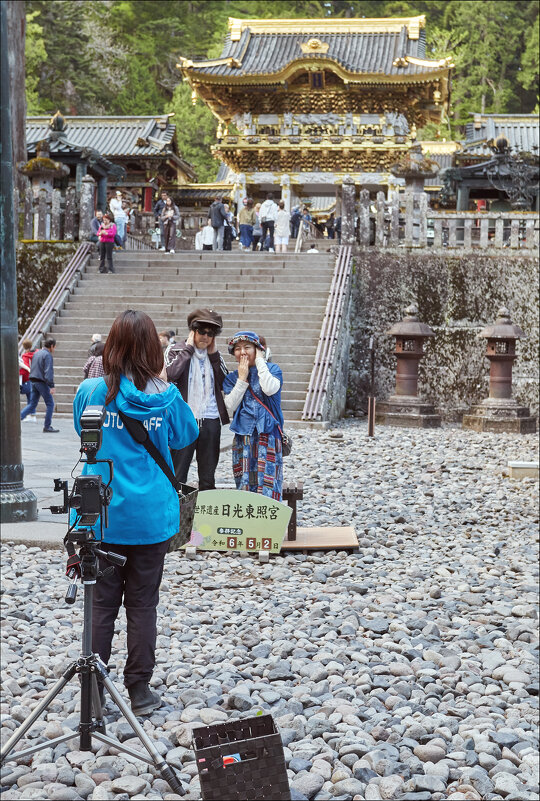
[(166, 771), (96, 703), (43, 704)]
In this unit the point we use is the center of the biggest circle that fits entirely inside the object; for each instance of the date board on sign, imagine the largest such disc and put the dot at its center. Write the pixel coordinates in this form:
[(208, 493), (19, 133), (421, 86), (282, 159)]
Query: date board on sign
[(232, 520)]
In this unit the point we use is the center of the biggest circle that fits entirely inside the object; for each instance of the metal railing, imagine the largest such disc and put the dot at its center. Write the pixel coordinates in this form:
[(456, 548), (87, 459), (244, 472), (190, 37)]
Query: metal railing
[(305, 230), (58, 295), (138, 243), (328, 338)]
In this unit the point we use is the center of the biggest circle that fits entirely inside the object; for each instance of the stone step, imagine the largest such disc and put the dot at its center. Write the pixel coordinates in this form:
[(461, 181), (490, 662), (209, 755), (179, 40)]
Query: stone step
[(82, 328), (210, 281), (194, 257), (176, 316), (85, 310), (245, 268), (66, 407), (152, 293)]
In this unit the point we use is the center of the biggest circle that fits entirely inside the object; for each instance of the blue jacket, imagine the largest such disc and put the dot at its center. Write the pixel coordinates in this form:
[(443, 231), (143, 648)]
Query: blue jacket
[(144, 507), (41, 368), (250, 415)]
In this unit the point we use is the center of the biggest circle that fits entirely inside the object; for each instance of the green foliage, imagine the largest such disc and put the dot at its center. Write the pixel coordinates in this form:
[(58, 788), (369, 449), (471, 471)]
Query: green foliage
[(195, 132), (35, 57), (529, 60)]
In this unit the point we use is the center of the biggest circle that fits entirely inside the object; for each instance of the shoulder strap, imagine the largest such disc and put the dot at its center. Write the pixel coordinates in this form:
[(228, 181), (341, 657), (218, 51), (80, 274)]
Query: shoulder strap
[(267, 409), (140, 435)]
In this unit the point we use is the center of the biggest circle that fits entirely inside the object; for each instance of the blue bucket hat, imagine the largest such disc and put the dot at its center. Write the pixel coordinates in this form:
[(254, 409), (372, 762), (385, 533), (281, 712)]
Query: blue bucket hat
[(245, 336)]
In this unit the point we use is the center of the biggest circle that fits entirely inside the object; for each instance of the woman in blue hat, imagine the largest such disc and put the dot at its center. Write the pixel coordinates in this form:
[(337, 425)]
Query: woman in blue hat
[(253, 400)]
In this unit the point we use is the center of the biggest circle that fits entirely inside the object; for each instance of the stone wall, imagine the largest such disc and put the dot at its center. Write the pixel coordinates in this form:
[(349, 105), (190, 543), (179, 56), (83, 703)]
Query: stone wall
[(457, 295), (39, 264)]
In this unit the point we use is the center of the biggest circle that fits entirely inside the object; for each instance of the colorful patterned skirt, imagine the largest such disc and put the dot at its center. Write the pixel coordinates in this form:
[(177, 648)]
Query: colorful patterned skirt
[(258, 464)]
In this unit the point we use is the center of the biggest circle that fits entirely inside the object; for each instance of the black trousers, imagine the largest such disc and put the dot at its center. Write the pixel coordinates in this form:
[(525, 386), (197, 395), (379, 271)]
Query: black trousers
[(106, 251), (137, 584), (207, 447), (268, 227)]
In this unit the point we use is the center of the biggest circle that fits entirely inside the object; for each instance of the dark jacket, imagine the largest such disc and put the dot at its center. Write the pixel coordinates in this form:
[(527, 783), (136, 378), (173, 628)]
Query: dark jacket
[(158, 208), (217, 214), (41, 368), (95, 225), (179, 360)]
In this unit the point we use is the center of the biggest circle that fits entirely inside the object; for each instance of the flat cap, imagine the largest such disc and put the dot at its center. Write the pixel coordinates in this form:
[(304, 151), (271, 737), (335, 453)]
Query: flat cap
[(208, 316)]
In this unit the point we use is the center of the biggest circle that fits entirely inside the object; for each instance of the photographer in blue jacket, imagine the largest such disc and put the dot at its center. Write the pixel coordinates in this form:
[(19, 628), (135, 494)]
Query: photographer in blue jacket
[(144, 510)]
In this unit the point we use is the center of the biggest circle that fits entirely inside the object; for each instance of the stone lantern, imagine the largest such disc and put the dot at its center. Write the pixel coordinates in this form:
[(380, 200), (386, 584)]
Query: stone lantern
[(42, 171), (405, 408), (500, 412), (414, 167)]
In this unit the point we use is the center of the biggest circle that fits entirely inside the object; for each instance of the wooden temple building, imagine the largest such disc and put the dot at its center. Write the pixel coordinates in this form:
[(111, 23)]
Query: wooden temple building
[(497, 166), (304, 103), (138, 155)]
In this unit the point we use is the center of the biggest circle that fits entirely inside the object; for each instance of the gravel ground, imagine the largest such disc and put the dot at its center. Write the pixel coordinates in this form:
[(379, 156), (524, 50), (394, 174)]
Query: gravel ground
[(407, 670)]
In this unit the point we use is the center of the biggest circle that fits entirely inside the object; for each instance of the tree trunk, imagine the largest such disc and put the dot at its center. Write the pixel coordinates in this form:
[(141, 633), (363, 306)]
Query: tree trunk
[(16, 26)]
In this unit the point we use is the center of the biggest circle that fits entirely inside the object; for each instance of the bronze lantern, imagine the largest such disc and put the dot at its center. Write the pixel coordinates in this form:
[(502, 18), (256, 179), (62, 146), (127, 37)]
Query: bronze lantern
[(500, 412), (405, 408)]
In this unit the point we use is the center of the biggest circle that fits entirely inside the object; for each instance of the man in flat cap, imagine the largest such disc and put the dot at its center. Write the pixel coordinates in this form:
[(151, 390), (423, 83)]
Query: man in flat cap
[(197, 369)]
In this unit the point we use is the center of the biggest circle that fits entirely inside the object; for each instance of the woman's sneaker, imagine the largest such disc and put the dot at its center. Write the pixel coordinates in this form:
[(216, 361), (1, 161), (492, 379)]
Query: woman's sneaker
[(143, 700)]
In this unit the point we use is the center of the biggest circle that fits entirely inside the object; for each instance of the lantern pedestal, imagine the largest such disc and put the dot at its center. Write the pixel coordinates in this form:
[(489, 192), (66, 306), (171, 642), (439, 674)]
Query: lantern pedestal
[(500, 412), (406, 411), (500, 415)]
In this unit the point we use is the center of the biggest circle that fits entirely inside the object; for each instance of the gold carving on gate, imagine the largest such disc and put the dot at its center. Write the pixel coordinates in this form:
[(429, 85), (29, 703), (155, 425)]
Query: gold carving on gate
[(314, 46)]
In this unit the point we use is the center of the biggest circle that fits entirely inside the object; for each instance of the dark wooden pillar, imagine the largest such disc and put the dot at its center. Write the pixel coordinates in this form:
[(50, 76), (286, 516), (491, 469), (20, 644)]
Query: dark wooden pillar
[(16, 503)]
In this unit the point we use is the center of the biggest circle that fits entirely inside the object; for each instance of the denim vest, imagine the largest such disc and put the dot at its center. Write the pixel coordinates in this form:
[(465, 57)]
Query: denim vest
[(250, 415)]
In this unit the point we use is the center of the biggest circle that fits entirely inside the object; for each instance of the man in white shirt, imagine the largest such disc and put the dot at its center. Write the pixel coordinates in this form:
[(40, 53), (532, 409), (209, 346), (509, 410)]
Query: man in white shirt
[(120, 216), (268, 215)]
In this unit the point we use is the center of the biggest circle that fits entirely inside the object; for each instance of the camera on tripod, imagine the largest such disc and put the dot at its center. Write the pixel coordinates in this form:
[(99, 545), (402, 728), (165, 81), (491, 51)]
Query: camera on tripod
[(90, 496)]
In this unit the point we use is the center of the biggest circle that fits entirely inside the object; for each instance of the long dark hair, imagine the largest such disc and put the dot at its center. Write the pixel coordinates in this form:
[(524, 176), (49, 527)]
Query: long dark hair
[(132, 347)]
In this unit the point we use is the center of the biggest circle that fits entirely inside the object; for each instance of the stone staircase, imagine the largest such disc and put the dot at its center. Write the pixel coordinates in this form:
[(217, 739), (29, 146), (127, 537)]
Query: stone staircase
[(281, 296)]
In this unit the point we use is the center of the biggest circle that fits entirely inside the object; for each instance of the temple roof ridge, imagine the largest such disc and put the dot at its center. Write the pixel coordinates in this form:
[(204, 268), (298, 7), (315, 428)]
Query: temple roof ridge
[(326, 25)]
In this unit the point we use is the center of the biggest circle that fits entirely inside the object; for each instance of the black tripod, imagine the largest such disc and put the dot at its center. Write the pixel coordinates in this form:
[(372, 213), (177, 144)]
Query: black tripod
[(91, 669)]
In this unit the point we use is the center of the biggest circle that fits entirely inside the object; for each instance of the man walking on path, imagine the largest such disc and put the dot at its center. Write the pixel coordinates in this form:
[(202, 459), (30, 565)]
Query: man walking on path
[(268, 215), (218, 216), (197, 369), (42, 380)]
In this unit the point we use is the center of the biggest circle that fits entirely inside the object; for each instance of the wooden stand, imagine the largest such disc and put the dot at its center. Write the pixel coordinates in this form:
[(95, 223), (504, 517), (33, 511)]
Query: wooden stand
[(323, 539)]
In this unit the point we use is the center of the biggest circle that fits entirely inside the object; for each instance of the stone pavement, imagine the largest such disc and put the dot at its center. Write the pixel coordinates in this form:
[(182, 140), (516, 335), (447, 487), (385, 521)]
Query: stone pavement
[(50, 456)]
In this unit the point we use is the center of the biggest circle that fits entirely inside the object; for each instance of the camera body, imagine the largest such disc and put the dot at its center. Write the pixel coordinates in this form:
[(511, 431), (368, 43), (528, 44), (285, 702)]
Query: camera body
[(88, 497)]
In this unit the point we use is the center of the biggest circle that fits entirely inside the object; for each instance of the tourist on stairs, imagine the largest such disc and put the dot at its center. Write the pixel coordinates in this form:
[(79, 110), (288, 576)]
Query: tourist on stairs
[(106, 234), (170, 217)]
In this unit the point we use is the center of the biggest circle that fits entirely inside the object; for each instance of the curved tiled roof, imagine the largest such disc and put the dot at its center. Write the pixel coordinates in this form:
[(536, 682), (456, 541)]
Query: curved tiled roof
[(521, 130), (371, 53), (110, 136)]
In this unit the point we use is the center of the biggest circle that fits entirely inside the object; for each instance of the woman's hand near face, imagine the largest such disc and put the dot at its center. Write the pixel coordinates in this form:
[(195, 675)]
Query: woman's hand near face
[(191, 339), (212, 347), (243, 367)]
